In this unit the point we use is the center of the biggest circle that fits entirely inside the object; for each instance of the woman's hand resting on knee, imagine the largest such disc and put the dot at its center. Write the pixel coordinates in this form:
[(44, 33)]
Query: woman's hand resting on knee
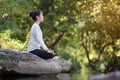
[(50, 51)]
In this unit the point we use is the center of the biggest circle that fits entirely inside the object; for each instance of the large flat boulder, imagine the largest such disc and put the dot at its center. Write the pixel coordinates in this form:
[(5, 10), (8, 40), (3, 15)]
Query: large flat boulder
[(28, 63)]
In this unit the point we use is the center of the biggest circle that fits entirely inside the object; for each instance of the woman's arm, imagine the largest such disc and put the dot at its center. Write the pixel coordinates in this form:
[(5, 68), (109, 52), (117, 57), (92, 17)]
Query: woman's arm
[(39, 38)]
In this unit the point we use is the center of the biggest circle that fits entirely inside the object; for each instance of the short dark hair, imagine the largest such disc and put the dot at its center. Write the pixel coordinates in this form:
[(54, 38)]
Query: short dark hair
[(35, 13)]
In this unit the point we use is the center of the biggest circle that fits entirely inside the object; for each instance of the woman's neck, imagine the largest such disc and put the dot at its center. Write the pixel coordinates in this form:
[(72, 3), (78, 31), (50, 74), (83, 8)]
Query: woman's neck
[(37, 22)]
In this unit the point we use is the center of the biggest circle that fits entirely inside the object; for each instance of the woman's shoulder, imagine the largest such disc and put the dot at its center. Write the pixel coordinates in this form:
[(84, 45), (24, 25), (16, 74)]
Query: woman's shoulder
[(35, 25)]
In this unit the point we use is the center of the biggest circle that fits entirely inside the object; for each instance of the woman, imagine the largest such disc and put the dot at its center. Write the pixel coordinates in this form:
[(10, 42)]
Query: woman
[(36, 37)]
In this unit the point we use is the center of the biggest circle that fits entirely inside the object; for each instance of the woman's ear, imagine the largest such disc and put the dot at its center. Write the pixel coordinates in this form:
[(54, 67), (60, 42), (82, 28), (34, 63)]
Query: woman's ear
[(37, 17)]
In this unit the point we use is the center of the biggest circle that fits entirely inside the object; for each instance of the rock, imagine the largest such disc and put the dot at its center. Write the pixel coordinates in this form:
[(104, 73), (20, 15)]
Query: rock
[(27, 63), (109, 76)]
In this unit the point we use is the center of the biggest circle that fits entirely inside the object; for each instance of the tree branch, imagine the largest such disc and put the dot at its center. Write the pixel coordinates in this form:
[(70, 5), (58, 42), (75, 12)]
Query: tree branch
[(86, 49), (102, 49), (57, 39)]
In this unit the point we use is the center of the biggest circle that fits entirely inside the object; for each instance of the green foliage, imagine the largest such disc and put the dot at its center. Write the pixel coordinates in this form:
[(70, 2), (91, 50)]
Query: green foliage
[(101, 33), (7, 42)]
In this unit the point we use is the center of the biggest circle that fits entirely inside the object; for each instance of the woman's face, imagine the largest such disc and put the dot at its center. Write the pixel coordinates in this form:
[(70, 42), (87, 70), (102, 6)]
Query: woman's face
[(40, 18)]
